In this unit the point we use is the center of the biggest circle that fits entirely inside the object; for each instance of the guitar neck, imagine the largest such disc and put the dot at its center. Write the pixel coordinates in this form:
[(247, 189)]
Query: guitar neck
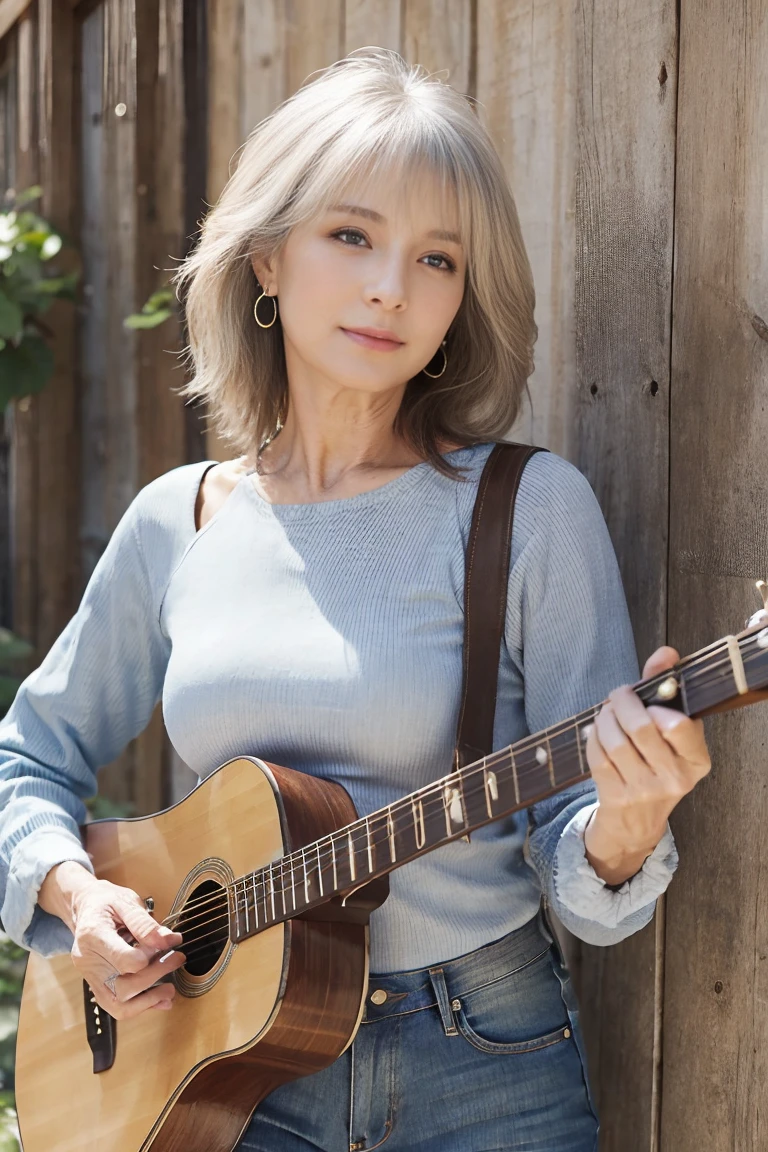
[(730, 673)]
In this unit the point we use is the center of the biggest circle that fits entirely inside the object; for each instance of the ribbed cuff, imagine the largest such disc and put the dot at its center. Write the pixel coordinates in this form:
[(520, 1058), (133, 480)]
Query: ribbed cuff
[(24, 921), (579, 889)]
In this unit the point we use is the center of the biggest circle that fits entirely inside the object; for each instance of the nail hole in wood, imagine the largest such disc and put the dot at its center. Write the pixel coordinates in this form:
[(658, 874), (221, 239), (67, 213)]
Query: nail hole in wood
[(593, 389), (654, 388), (663, 74), (718, 986)]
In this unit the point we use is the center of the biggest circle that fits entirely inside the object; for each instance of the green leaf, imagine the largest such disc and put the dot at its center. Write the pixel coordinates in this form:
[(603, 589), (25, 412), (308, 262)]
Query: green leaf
[(29, 194), (11, 318), (25, 369), (151, 320), (58, 285), (160, 299), (9, 686), (12, 647)]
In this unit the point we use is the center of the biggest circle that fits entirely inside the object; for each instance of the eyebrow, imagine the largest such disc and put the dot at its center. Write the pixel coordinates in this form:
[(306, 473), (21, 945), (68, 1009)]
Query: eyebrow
[(369, 214)]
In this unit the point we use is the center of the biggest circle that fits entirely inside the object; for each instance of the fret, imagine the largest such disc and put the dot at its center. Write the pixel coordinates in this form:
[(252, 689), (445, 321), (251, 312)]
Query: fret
[(579, 752), (282, 884), (391, 836), (319, 870), (306, 877), (293, 884), (256, 906), (515, 778), (245, 903), (550, 763), (418, 822), (351, 852), (369, 845), (565, 749), (333, 861), (272, 892)]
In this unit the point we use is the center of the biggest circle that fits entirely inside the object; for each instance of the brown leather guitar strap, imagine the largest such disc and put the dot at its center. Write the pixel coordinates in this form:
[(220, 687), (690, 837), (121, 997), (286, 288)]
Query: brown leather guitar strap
[(486, 576)]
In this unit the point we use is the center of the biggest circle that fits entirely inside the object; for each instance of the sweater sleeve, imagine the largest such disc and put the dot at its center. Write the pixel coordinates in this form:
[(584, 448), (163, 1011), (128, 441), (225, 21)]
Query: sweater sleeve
[(93, 693), (573, 636)]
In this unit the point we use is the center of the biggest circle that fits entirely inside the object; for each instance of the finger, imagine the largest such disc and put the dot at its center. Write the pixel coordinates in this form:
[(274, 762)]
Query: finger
[(609, 782), (132, 984), (159, 996), (663, 658), (684, 735), (639, 726), (144, 928), (621, 751)]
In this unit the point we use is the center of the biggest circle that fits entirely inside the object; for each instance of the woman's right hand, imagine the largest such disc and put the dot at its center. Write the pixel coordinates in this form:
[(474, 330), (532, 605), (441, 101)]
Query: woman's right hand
[(114, 933)]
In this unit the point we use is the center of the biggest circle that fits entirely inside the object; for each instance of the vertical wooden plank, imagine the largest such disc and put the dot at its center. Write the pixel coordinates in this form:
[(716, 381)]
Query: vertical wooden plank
[(624, 238), (716, 989), (225, 48), (195, 162), (314, 37), (8, 113), (372, 22), (526, 90), (58, 430), (624, 186), (160, 243), (24, 447), (440, 34)]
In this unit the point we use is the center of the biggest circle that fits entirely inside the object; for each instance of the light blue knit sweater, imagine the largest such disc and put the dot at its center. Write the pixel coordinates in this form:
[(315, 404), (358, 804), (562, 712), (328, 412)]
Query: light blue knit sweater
[(328, 637)]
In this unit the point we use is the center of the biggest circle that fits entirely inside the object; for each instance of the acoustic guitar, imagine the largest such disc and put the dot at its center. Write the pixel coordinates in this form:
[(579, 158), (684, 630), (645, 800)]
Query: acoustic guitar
[(271, 876)]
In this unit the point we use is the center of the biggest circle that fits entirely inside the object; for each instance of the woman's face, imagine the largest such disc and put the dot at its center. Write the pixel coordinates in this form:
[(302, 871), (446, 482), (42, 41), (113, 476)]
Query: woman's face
[(386, 257)]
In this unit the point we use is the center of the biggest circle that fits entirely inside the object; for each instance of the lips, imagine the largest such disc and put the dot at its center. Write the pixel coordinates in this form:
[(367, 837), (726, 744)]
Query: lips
[(378, 338)]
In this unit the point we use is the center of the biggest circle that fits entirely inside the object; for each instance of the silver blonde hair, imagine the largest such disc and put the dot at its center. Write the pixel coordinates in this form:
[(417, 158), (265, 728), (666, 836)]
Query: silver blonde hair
[(370, 113)]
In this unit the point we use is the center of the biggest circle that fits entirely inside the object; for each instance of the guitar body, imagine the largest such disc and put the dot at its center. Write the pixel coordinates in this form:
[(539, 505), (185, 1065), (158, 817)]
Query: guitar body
[(282, 1004)]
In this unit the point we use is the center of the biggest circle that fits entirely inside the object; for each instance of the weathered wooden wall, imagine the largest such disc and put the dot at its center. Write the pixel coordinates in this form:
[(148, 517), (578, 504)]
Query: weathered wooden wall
[(635, 137)]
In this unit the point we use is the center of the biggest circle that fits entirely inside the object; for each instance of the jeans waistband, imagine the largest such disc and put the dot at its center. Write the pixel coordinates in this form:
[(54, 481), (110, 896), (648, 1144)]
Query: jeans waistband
[(398, 993)]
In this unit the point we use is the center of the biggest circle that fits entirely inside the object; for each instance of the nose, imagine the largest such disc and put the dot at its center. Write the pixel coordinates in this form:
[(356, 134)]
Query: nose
[(387, 288)]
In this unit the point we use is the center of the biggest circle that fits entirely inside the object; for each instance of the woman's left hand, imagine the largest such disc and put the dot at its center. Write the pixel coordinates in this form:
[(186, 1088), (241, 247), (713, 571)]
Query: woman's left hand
[(643, 761)]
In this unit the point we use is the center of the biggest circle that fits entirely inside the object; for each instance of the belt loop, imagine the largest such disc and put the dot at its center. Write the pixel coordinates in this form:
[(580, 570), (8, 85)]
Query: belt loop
[(437, 977)]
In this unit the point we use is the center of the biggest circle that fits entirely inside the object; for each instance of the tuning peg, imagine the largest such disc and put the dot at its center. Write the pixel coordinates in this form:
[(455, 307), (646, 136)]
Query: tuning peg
[(761, 616)]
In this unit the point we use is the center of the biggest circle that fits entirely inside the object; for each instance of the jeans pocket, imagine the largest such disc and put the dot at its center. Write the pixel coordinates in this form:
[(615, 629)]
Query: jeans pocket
[(519, 1013)]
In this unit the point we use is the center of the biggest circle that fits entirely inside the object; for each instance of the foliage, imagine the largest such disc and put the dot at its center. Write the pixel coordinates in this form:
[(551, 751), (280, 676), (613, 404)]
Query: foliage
[(158, 308), (12, 648), (29, 283)]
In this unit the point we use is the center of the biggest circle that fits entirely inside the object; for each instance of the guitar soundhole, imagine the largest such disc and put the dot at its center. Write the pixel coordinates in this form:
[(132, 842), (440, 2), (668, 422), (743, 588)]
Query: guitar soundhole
[(205, 927)]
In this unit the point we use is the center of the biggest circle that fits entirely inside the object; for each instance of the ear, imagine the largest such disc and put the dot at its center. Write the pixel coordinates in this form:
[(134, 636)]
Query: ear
[(265, 274)]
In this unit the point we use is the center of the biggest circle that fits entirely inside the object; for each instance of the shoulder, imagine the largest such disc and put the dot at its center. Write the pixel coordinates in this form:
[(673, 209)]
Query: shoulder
[(553, 495), (163, 512)]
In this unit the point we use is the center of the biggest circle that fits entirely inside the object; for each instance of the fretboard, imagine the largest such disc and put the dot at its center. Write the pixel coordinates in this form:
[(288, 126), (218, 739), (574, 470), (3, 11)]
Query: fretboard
[(489, 789)]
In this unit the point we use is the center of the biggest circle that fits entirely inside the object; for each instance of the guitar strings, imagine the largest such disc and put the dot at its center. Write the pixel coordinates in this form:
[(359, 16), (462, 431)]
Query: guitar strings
[(489, 762), (356, 827), (279, 892)]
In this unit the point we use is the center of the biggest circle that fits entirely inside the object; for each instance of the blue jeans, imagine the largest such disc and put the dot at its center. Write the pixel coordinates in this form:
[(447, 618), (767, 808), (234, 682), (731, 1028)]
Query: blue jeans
[(479, 1054)]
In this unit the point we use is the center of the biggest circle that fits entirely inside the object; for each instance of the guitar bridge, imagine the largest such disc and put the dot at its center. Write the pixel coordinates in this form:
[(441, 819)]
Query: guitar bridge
[(101, 1031)]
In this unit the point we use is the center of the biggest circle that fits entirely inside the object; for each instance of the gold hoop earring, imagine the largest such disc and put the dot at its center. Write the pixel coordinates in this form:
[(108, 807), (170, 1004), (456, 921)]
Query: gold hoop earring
[(256, 313), (437, 375)]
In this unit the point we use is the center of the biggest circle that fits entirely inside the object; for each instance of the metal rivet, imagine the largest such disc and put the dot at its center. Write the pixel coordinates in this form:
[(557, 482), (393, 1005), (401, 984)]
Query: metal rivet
[(566, 1032), (379, 996), (456, 1005)]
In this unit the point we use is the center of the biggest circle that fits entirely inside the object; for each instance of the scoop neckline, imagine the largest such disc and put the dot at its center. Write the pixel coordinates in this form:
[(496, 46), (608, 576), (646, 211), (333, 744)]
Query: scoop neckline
[(340, 503)]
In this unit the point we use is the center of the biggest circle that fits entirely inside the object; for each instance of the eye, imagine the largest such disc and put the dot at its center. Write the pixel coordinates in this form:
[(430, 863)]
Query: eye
[(349, 232), (356, 234), (450, 266)]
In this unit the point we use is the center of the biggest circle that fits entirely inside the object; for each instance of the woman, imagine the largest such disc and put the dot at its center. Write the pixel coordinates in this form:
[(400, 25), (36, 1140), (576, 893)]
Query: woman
[(360, 311)]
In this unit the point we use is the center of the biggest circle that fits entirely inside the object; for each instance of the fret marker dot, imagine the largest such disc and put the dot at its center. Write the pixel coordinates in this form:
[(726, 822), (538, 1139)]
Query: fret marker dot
[(586, 731), (541, 755)]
